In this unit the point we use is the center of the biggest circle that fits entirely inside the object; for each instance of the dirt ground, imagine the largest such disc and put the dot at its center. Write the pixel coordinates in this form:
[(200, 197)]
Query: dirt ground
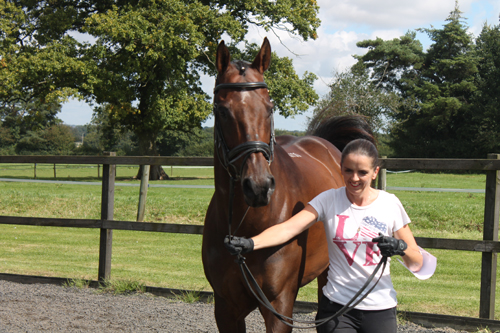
[(50, 308)]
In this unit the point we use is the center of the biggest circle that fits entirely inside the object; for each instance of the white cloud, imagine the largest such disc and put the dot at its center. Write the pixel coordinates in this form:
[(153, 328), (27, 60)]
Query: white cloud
[(386, 14)]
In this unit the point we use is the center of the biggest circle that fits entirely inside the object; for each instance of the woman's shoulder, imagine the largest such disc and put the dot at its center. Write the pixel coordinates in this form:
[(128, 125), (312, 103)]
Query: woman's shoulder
[(389, 197), (331, 193)]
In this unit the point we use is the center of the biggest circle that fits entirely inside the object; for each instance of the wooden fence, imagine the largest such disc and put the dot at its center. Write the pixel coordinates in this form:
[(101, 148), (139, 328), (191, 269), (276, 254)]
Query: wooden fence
[(489, 246)]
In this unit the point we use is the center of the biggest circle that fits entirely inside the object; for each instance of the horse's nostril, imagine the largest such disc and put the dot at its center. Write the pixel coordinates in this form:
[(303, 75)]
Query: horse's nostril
[(272, 183)]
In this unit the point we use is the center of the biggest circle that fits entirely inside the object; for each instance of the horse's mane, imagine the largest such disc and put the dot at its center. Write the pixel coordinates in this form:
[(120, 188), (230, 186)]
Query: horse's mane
[(341, 130)]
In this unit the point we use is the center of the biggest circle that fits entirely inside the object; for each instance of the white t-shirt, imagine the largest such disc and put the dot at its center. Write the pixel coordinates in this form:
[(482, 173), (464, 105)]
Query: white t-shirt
[(353, 256)]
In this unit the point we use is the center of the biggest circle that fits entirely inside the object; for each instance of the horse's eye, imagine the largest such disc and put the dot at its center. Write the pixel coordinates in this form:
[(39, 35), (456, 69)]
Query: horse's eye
[(223, 112)]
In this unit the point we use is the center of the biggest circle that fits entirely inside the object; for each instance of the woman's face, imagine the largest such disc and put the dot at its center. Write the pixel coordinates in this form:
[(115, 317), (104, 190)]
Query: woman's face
[(358, 173)]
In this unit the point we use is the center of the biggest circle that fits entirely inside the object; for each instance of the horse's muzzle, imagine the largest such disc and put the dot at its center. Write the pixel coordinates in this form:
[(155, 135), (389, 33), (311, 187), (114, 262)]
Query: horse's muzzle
[(258, 193)]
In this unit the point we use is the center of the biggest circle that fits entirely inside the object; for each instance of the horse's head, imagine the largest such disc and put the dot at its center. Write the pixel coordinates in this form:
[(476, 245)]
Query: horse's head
[(244, 130)]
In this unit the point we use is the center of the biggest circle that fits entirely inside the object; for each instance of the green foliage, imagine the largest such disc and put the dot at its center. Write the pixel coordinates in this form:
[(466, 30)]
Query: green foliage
[(189, 297), (279, 132), (142, 68), (352, 92), (197, 142), (394, 62), (291, 95), (118, 287), (53, 140), (101, 136), (201, 143), (486, 119), (77, 283), (441, 112)]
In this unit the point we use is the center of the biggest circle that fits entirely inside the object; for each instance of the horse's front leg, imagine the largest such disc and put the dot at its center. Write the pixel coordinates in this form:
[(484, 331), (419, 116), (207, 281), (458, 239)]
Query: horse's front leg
[(283, 304), (230, 318)]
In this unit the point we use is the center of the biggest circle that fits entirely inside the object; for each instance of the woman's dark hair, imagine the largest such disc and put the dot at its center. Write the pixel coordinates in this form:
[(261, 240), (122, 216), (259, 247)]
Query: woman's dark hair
[(361, 147)]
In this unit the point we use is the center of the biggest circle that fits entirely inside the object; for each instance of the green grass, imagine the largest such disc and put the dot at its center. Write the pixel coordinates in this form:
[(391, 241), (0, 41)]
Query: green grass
[(436, 180), (118, 286), (174, 260), (85, 172), (168, 205)]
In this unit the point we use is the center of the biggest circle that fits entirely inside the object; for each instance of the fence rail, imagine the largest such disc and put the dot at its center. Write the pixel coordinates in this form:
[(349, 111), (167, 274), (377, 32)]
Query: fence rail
[(489, 246)]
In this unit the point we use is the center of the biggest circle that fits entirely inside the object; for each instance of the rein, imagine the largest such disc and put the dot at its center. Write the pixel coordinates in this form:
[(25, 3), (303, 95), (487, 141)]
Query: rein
[(227, 158), (261, 297)]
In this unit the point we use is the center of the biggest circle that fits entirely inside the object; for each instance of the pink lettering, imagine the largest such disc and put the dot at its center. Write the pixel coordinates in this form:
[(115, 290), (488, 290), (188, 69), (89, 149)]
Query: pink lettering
[(348, 257), (339, 240), (370, 252), (339, 233)]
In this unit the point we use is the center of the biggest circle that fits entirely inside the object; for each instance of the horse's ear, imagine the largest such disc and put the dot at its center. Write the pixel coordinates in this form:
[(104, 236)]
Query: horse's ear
[(263, 58), (223, 57)]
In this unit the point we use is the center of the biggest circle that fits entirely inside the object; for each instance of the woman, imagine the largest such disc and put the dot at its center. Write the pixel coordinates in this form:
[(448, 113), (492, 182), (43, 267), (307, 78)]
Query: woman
[(353, 217)]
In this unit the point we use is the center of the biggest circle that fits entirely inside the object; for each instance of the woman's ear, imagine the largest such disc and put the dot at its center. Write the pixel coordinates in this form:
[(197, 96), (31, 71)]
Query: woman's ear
[(377, 169)]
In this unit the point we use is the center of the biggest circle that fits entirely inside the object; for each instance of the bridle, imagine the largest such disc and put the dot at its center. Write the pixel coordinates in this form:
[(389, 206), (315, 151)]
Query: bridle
[(228, 157)]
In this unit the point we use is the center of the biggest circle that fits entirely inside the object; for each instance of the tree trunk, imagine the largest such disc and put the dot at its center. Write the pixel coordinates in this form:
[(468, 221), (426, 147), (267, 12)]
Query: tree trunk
[(156, 172), (147, 146)]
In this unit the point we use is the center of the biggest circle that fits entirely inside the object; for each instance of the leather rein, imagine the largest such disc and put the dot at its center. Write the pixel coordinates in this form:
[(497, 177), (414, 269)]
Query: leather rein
[(227, 157)]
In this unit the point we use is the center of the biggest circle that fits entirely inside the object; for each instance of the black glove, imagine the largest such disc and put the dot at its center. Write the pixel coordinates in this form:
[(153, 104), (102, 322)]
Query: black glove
[(390, 246), (238, 245)]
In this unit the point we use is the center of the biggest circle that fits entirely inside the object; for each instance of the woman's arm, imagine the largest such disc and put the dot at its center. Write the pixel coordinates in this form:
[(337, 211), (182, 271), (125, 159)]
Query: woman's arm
[(412, 258), (283, 232)]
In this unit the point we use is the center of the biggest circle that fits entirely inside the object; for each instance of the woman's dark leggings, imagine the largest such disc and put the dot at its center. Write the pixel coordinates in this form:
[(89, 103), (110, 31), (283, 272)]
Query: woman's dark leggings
[(356, 321)]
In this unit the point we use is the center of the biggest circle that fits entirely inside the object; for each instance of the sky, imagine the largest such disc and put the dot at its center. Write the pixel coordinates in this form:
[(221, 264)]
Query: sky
[(343, 24)]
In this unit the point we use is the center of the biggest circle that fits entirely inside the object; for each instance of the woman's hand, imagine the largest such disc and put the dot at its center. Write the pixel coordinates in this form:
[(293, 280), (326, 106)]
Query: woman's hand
[(390, 246), (238, 245)]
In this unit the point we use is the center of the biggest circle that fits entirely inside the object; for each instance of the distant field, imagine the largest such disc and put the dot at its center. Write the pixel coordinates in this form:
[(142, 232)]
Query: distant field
[(86, 172), (174, 261), (437, 180)]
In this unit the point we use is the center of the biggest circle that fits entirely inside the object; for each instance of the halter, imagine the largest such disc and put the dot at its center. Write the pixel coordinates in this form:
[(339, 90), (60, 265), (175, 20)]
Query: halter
[(244, 150)]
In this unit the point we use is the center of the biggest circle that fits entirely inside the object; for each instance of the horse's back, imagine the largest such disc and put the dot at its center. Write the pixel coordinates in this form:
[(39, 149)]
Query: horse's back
[(316, 159)]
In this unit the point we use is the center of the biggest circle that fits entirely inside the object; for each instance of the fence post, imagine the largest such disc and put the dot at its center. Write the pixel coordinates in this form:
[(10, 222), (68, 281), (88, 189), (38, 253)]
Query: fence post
[(143, 193), (34, 169), (489, 259), (55, 171), (107, 206), (382, 178)]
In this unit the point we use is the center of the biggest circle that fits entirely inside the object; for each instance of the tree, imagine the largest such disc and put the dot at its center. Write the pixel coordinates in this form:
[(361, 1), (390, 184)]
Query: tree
[(145, 62), (436, 89), (101, 136), (202, 144), (22, 122), (55, 140), (33, 66), (486, 118), (352, 92)]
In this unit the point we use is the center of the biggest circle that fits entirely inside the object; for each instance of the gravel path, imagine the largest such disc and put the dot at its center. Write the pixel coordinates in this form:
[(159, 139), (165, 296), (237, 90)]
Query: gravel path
[(49, 308)]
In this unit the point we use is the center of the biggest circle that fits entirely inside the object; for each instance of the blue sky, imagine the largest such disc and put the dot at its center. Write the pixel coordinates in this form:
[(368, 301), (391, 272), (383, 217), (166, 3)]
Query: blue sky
[(344, 23)]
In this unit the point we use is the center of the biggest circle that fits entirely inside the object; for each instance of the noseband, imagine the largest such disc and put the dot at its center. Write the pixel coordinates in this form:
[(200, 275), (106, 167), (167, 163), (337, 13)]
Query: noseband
[(228, 157)]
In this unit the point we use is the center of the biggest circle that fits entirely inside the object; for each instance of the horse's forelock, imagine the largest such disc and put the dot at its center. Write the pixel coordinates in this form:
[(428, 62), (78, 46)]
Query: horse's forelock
[(241, 66)]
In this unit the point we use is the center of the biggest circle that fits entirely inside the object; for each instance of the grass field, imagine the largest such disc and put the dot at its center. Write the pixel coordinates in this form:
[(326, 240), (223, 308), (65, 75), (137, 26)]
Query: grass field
[(174, 260)]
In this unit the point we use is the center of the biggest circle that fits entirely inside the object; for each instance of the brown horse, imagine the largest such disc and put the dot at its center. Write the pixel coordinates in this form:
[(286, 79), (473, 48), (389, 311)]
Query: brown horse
[(260, 181)]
